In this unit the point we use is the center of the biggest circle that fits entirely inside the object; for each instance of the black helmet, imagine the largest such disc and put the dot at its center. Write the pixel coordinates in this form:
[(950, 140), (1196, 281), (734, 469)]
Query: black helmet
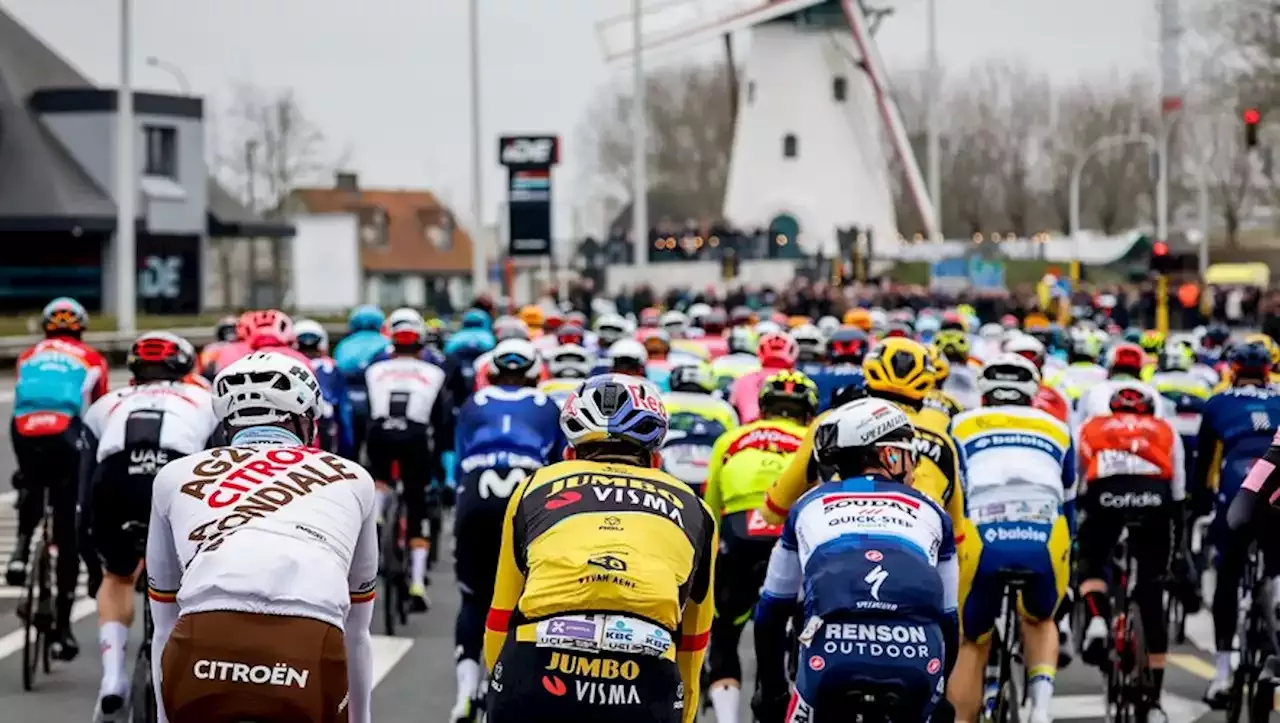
[(225, 329), (789, 393)]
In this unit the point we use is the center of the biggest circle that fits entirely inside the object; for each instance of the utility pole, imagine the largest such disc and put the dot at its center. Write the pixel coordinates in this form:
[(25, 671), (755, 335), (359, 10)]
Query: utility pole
[(1170, 104), (640, 141), (126, 248), (250, 165)]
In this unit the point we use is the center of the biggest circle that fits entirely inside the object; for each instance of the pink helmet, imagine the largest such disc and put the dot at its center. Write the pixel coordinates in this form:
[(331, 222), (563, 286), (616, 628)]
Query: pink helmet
[(270, 328), (778, 349)]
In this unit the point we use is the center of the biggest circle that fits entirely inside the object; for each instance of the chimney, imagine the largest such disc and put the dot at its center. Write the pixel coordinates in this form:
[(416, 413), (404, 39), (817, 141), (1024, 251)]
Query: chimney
[(346, 181)]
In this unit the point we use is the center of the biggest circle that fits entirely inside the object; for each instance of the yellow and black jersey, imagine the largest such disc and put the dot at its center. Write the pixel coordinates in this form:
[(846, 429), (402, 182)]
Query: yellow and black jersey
[(942, 403), (590, 537)]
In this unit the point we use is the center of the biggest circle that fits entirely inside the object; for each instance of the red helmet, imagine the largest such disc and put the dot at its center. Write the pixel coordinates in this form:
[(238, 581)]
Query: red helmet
[(1132, 400), (1126, 358), (244, 325), (552, 322), (570, 334), (158, 355), (270, 328), (778, 349)]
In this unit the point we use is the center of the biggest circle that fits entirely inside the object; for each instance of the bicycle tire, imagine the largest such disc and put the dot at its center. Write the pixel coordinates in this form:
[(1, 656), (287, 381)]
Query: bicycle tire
[(32, 638), (390, 567), (142, 699), (46, 607)]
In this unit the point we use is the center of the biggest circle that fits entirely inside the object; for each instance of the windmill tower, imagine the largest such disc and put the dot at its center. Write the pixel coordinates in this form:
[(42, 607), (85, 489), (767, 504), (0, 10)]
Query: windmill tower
[(809, 152)]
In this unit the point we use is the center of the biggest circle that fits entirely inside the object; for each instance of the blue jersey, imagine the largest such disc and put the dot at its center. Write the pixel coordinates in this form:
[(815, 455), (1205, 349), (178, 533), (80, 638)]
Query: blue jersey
[(59, 376), (1236, 427), (331, 384), (472, 342), (511, 427), (356, 352), (831, 377), (867, 544)]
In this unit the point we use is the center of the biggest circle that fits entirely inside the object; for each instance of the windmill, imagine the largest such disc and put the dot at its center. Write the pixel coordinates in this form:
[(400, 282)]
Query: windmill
[(812, 99)]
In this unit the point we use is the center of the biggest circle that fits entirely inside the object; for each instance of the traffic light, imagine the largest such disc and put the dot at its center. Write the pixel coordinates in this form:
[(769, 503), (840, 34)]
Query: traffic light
[(1161, 260), (1252, 117)]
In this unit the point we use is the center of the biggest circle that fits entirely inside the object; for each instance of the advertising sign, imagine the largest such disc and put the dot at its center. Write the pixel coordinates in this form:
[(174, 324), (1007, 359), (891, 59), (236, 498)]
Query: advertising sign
[(529, 160), (169, 277)]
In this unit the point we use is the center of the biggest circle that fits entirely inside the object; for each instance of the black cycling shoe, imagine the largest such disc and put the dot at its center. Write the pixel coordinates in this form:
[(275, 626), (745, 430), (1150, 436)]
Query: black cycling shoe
[(63, 646), (15, 574)]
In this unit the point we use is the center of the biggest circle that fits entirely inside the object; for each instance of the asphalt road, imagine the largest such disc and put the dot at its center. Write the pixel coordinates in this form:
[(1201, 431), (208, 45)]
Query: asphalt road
[(415, 672)]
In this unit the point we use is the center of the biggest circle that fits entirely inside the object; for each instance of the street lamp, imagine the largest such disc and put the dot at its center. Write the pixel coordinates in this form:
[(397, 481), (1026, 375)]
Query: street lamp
[(479, 272), (171, 69), (126, 195), (1159, 147), (640, 141)]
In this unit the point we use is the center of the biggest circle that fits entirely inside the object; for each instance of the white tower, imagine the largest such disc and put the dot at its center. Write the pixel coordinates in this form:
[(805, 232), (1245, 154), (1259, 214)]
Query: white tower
[(809, 151)]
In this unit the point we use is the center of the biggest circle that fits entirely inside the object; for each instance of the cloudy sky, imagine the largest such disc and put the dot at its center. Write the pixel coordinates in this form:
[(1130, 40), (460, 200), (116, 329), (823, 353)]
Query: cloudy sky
[(388, 78)]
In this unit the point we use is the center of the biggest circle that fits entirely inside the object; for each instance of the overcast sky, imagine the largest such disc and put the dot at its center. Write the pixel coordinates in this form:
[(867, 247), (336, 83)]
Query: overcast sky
[(388, 78)]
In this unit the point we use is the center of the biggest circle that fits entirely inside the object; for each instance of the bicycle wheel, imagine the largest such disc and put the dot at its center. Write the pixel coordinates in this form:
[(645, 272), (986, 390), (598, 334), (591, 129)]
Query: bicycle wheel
[(1139, 678), (32, 637), (1244, 680), (142, 696)]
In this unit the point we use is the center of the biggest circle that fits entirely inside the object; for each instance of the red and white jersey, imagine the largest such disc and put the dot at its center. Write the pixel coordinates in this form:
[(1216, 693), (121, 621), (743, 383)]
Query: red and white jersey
[(1133, 445), (95, 381), (175, 417), (268, 528)]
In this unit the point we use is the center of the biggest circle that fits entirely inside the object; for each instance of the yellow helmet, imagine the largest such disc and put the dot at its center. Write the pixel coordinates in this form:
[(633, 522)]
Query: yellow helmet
[(533, 316), (899, 367), (858, 319), (941, 365), (797, 320), (1152, 341), (952, 343), (1265, 339)]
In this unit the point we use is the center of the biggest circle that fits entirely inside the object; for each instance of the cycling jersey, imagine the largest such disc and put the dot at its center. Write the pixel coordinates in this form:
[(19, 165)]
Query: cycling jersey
[(745, 461), (285, 350), (615, 541), (1076, 377), (1188, 393), (484, 367), (1096, 400), (943, 403), (352, 356), (831, 377), (962, 386), (271, 528), (1020, 471), (58, 379), (405, 388), (208, 362), (1133, 445), (695, 422), (332, 394), (559, 389), (728, 368), (1052, 401), (230, 353), (744, 395), (1235, 431)]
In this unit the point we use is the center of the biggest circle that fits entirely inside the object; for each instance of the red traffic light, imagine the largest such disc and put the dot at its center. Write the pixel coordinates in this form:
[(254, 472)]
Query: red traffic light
[(1252, 116), (1160, 248)]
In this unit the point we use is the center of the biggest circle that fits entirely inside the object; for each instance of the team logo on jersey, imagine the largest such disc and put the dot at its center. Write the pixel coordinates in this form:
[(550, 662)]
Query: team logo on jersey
[(875, 579), (769, 439), (609, 562)]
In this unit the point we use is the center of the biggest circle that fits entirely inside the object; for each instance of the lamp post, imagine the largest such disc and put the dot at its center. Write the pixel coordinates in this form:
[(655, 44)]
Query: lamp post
[(126, 194), (178, 76), (1099, 145), (479, 271), (640, 142)]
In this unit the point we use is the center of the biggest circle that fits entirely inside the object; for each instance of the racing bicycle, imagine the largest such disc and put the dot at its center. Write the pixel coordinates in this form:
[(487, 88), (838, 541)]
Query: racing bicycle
[(1129, 680), (1251, 696), (394, 557), (37, 607), (1005, 682), (142, 691)]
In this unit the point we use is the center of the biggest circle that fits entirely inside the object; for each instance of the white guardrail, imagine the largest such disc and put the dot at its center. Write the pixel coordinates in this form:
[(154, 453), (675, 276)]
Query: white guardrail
[(115, 342)]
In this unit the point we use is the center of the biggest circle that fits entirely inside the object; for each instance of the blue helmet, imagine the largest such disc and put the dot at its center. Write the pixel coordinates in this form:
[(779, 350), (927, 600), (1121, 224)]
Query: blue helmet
[(1252, 357), (615, 408), (365, 318), (476, 319)]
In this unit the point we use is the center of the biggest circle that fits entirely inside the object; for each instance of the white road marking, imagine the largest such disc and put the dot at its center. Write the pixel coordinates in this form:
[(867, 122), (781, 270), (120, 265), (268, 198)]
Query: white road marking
[(12, 643), (1072, 707), (387, 651)]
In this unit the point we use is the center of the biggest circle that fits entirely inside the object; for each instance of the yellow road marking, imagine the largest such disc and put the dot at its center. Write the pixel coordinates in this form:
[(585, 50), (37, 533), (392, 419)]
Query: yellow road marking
[(1192, 664)]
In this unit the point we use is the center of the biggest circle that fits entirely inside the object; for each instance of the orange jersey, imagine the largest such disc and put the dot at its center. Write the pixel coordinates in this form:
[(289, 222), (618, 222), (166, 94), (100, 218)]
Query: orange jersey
[(1052, 401), (1131, 445)]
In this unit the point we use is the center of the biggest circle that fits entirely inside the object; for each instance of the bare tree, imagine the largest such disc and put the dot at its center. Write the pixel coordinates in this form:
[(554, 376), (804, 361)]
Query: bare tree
[(1022, 102), (690, 116)]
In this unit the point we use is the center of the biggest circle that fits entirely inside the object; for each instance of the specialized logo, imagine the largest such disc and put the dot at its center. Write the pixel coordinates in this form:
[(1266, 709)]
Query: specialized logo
[(554, 685), (601, 668), (1015, 534), (280, 674), (875, 579)]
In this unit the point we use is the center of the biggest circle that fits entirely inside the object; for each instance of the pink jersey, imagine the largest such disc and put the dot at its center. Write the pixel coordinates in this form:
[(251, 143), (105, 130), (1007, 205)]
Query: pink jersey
[(230, 354), (744, 395), (289, 352)]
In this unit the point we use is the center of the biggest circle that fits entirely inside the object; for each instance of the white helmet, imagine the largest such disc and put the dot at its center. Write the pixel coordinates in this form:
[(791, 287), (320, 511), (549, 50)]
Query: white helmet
[(611, 327), (765, 327), (861, 424), (630, 350), (265, 388), (828, 325), (1028, 347), (615, 407), (675, 323), (308, 332), (699, 310), (809, 338), (991, 331), (1009, 378), (515, 355), (405, 321), (569, 361)]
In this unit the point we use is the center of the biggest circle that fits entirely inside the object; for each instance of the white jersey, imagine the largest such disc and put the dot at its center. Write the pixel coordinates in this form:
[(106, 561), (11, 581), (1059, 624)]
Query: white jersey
[(1014, 454), (1207, 374), (173, 417), (1075, 378), (962, 385), (1096, 400), (403, 388), (269, 529)]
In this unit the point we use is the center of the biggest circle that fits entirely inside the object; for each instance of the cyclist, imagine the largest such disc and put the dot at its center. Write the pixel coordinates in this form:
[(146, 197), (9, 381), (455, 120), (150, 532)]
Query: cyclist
[(1082, 370), (875, 558), (352, 355), (504, 328), (225, 332), (740, 360), (504, 433), (626, 356), (1236, 429), (744, 462), (1187, 392), (58, 379), (1048, 398), (464, 347), (845, 351), (777, 352), (1019, 466), (697, 418), (129, 435), (606, 565), (234, 349), (264, 553), (675, 323), (1124, 364), (313, 342), (938, 400), (609, 328), (567, 365), (1132, 469), (533, 318), (410, 427), (812, 345), (962, 383)]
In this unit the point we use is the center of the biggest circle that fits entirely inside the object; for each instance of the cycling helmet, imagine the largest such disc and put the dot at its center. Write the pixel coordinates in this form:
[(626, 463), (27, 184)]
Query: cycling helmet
[(742, 316), (515, 357), (1027, 346), (1009, 321), (927, 328), (953, 320), (532, 316), (657, 342), (714, 322), (1152, 342), (866, 434), (1133, 399), (897, 330), (796, 321), (778, 349), (576, 318), (742, 340), (1253, 360), (64, 316), (311, 336), (365, 318), (628, 356), (789, 393), (268, 328), (767, 327), (509, 327), (225, 329), (406, 328), (161, 356), (649, 317), (1085, 345), (570, 334), (433, 336), (569, 361), (695, 378), (611, 327), (243, 327), (953, 343), (1125, 358), (941, 365), (899, 367), (1265, 340), (1009, 379), (697, 311), (990, 332), (848, 345), (266, 388), (675, 323), (828, 325), (856, 389), (553, 321), (1132, 335), (476, 319), (1178, 355), (1215, 337), (615, 409), (810, 341)]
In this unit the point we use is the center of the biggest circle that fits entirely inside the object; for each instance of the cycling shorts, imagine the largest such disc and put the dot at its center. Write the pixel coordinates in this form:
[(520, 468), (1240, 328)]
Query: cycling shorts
[(531, 684), (391, 442), (230, 666), (876, 654), (52, 458), (477, 525), (1039, 550), (1151, 536), (746, 542), (119, 506)]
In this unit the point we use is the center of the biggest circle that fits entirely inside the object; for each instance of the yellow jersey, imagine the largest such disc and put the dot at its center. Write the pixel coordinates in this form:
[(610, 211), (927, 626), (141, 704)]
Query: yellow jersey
[(592, 537), (745, 461), (937, 473), (942, 403)]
